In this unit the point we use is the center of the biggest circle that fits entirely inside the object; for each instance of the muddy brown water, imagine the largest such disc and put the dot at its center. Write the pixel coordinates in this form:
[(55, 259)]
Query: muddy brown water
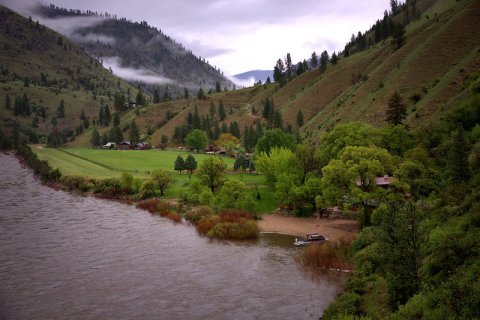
[(64, 256)]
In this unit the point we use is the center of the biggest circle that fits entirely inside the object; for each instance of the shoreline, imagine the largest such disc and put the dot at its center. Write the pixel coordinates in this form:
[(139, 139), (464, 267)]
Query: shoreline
[(334, 229)]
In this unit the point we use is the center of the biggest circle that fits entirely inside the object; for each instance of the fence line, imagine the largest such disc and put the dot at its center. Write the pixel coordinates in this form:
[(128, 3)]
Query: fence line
[(104, 165)]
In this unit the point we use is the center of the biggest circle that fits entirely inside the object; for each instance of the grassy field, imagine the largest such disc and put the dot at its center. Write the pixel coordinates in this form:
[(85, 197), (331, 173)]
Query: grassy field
[(100, 164)]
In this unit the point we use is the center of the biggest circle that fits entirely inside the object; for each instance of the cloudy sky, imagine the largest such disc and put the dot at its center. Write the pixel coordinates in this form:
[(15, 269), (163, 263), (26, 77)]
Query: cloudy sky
[(242, 35)]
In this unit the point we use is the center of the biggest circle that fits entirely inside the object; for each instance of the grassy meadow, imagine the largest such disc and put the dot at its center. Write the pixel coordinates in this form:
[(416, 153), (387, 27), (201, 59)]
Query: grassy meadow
[(101, 164)]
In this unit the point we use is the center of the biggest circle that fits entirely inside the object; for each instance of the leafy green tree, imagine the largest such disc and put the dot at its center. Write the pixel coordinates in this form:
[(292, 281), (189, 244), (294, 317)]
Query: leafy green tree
[(211, 173), (61, 110), (134, 133), (275, 138), (179, 164), (397, 110), (306, 160), (197, 140), (162, 179), (300, 121), (234, 195), (277, 161), (190, 164), (396, 139)]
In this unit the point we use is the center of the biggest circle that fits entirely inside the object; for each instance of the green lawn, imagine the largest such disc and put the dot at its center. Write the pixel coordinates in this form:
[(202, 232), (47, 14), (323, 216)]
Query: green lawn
[(96, 163)]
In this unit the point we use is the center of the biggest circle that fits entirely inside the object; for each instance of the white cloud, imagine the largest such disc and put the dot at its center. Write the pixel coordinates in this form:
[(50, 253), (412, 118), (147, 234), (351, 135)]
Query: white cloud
[(142, 75)]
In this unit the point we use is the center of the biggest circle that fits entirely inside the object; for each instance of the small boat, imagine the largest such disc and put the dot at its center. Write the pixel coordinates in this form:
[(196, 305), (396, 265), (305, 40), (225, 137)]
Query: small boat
[(310, 239)]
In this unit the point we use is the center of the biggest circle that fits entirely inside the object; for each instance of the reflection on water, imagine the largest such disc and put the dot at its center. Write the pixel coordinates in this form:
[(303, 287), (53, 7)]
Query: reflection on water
[(66, 256)]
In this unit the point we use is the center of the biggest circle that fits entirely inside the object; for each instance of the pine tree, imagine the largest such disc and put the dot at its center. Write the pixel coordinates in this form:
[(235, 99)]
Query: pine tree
[(324, 58), (201, 94), (179, 164), (397, 110), (300, 121), (134, 133), (277, 120), (334, 58), (106, 116), (101, 117), (288, 66), (140, 99), (221, 111), (278, 70), (266, 108), (95, 140), (186, 95), (61, 110), (213, 110), (156, 96), (190, 164), (8, 101), (218, 88), (314, 60)]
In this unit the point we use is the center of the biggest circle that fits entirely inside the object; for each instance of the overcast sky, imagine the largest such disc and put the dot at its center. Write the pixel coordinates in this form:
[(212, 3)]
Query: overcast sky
[(243, 35)]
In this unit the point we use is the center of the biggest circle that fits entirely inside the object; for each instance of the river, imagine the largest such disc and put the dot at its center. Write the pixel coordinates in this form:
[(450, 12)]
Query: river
[(64, 256)]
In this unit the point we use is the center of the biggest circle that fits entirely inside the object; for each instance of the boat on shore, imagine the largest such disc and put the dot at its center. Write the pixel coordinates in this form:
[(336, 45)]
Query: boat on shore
[(311, 238)]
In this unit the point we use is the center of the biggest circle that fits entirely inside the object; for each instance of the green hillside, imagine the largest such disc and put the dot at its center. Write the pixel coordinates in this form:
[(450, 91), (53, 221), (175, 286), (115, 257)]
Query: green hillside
[(47, 68)]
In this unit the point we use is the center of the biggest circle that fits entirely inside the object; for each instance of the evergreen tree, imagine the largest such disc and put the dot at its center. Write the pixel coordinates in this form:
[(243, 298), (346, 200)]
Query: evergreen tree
[(300, 121), (271, 114), (217, 87), (106, 116), (266, 108), (288, 66), (277, 120), (324, 58), (61, 110), (314, 60), (305, 65), (163, 142), (140, 99), (196, 119), (201, 94), (190, 164), (104, 138), (95, 140), (134, 133), (179, 164), (221, 111), (399, 36), (101, 120), (334, 58), (268, 80), (186, 95), (278, 70), (8, 101), (213, 110), (234, 130), (397, 110), (116, 119), (156, 96), (119, 101)]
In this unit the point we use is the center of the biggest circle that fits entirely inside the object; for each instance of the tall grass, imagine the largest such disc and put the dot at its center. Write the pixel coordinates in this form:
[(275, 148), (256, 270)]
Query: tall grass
[(330, 255)]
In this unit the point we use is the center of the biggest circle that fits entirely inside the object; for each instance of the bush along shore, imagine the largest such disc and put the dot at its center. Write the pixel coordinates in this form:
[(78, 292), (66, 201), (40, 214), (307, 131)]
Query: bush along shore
[(220, 222)]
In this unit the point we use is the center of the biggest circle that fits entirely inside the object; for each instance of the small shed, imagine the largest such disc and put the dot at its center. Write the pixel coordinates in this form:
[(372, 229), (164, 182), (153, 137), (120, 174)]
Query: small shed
[(124, 145)]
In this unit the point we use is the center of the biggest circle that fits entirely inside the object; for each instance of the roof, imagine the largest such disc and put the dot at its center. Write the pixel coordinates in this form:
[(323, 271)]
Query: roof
[(384, 181)]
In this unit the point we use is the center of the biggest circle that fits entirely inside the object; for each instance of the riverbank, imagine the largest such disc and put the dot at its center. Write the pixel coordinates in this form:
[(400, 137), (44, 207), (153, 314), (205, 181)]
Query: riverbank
[(332, 229)]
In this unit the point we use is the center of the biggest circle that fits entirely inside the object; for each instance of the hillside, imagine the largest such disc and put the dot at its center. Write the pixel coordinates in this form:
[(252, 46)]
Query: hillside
[(146, 53), (441, 50), (46, 68)]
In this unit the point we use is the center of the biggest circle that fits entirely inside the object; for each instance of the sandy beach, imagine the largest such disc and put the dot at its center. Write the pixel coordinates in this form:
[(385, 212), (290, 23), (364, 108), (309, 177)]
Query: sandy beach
[(331, 228)]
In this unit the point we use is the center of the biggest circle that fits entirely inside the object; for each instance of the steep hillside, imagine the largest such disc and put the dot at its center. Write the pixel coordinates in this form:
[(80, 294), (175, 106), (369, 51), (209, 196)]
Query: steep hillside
[(46, 68), (139, 48), (441, 50)]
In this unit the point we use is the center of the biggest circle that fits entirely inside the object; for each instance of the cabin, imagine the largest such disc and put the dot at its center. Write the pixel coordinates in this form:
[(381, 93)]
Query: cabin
[(124, 145), (383, 182)]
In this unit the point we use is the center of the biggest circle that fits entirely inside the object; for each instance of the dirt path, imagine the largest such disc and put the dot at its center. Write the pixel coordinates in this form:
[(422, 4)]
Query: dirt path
[(333, 229)]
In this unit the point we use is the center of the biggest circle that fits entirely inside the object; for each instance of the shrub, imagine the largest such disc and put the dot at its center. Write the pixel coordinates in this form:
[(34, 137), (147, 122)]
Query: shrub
[(195, 216), (347, 304), (72, 182), (175, 217), (148, 190), (110, 187), (150, 205), (205, 225), (245, 229)]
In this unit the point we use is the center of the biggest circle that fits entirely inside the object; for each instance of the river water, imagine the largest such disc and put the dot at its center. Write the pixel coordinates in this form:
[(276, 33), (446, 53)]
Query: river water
[(64, 256)]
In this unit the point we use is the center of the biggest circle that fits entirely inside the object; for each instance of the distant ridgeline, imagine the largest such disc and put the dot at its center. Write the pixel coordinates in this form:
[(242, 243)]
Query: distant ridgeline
[(141, 53)]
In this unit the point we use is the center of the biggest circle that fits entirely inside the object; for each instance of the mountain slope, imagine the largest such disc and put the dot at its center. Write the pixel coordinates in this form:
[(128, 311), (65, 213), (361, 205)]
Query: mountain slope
[(441, 50), (256, 75), (47, 68), (139, 48)]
